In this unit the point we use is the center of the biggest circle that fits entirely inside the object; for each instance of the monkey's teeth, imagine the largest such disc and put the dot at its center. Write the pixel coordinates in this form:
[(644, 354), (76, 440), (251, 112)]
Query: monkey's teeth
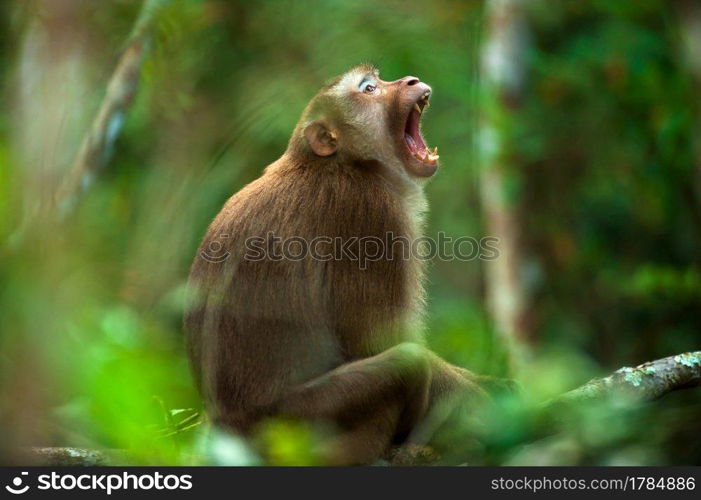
[(417, 108), (431, 156), (427, 156)]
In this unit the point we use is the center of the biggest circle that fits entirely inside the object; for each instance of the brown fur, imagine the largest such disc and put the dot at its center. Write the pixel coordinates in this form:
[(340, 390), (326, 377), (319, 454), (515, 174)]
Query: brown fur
[(322, 339)]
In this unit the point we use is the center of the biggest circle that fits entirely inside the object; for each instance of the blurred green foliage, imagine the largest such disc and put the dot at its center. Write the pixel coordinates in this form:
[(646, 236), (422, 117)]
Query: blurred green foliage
[(608, 169)]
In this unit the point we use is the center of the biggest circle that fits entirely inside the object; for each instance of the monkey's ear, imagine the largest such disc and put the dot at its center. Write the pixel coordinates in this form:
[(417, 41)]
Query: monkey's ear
[(320, 138)]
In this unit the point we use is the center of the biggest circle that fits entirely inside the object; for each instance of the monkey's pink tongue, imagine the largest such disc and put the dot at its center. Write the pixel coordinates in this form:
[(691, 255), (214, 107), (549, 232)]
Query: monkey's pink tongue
[(411, 131), (410, 142)]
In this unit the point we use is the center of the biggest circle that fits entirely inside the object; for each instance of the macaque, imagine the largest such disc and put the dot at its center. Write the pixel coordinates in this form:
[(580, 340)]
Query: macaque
[(324, 336)]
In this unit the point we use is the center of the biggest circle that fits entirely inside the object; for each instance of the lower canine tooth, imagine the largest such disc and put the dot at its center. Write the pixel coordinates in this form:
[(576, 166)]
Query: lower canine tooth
[(417, 108)]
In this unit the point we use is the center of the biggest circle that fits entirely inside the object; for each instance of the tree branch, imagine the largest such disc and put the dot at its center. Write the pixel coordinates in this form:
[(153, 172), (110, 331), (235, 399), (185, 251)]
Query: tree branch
[(98, 142), (67, 456), (645, 382)]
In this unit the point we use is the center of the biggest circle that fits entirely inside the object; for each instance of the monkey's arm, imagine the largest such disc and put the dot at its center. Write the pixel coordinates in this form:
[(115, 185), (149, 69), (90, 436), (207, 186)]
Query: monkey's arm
[(490, 384)]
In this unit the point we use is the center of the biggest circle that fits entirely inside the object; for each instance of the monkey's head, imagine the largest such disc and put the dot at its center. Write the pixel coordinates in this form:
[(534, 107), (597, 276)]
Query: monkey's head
[(359, 117)]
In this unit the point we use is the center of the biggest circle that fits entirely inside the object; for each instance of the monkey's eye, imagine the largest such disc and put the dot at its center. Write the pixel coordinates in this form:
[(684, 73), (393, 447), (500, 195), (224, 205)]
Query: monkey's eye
[(368, 86)]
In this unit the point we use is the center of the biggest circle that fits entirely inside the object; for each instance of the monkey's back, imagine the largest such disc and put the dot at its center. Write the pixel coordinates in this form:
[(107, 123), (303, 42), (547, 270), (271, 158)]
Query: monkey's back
[(259, 324)]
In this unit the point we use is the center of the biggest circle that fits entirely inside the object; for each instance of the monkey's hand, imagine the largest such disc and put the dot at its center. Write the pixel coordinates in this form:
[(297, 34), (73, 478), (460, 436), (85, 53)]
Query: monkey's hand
[(497, 386)]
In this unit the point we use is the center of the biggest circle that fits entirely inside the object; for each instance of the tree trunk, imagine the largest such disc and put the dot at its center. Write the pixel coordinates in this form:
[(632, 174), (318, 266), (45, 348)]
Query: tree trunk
[(689, 12), (502, 81)]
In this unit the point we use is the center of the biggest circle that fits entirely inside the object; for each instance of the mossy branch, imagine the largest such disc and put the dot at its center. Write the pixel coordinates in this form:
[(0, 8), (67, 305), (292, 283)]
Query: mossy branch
[(643, 383)]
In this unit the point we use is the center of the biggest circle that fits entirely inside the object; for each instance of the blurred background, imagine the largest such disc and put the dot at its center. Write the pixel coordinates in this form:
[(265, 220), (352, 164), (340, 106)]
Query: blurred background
[(569, 130)]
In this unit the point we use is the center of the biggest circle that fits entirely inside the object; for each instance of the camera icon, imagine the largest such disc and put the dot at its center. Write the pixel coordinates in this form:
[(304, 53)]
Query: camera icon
[(16, 488)]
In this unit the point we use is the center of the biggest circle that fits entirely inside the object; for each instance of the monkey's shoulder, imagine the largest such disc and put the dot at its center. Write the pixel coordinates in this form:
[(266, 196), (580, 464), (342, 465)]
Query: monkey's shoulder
[(311, 202)]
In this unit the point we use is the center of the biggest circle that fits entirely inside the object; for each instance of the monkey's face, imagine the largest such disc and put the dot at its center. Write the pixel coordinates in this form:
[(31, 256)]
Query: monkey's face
[(371, 119)]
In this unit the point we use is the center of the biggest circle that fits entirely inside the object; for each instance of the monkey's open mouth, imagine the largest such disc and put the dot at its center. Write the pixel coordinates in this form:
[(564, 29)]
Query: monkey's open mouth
[(412, 134)]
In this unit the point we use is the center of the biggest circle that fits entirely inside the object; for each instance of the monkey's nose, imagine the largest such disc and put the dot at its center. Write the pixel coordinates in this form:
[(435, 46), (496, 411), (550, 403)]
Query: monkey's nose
[(410, 80)]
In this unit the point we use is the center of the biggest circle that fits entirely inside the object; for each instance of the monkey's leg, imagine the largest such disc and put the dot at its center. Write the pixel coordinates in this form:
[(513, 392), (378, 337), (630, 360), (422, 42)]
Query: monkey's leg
[(377, 399), (460, 401), (453, 394), (368, 437), (372, 400), (401, 372)]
